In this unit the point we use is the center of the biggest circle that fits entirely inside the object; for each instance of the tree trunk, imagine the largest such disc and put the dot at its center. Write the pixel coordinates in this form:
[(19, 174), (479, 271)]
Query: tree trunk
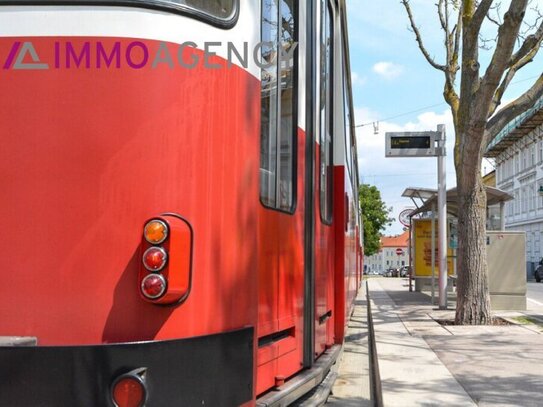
[(473, 299)]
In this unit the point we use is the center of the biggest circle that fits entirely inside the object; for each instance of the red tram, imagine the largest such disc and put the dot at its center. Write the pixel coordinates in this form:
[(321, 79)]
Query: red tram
[(179, 209)]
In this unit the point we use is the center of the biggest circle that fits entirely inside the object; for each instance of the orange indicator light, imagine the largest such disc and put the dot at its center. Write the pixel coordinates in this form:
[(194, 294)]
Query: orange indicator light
[(155, 231)]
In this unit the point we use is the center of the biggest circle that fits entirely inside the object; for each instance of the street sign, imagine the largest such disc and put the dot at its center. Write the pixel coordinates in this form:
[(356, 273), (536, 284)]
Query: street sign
[(403, 217), (411, 144), (399, 251)]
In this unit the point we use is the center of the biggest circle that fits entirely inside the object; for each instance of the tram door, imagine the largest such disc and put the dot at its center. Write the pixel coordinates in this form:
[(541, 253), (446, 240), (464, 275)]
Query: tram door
[(324, 222), (281, 239)]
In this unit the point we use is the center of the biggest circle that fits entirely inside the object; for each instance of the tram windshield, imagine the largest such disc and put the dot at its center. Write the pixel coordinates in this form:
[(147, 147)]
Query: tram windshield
[(220, 12), (222, 9)]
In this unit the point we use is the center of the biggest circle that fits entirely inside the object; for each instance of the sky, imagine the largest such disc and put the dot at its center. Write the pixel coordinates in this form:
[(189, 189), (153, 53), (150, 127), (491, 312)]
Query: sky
[(395, 86)]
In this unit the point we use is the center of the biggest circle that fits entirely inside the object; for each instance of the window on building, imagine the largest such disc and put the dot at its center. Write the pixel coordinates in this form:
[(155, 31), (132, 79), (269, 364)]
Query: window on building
[(532, 155), (278, 84), (540, 151)]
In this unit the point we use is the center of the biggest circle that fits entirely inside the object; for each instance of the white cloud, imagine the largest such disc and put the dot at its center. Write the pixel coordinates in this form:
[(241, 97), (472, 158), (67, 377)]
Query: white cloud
[(357, 80), (393, 175), (388, 70)]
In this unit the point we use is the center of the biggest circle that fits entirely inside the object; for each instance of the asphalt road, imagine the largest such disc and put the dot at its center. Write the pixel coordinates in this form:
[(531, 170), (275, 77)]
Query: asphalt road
[(534, 296)]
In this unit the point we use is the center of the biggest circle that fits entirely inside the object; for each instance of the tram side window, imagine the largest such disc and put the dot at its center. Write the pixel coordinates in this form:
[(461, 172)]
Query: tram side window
[(278, 127), (326, 114)]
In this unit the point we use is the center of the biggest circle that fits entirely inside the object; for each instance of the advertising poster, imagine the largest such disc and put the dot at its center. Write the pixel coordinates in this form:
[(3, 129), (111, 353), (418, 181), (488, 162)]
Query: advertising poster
[(423, 249)]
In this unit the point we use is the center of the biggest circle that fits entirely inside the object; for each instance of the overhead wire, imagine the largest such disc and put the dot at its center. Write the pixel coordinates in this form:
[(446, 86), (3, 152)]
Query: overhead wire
[(429, 107)]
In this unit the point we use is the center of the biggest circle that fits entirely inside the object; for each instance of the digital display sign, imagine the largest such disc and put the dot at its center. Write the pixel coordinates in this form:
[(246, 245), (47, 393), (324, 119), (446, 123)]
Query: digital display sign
[(410, 142)]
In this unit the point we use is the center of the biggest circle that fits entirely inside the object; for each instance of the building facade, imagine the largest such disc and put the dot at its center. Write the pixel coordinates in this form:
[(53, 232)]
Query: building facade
[(518, 154), (394, 253)]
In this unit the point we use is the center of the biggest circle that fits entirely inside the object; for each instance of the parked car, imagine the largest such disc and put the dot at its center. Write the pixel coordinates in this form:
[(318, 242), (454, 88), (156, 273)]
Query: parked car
[(538, 272), (392, 272), (405, 271)]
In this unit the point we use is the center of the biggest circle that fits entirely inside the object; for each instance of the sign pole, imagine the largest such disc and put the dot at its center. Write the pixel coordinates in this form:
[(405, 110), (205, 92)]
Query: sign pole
[(433, 256), (442, 221), (410, 255), (423, 144)]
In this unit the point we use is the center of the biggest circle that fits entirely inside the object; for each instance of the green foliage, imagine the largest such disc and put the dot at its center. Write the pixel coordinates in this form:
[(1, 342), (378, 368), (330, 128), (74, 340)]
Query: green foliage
[(375, 216)]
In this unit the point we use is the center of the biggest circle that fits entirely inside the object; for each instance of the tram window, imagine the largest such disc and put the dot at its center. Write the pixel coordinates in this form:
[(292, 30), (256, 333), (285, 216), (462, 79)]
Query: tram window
[(278, 127), (222, 9), (347, 121), (326, 114)]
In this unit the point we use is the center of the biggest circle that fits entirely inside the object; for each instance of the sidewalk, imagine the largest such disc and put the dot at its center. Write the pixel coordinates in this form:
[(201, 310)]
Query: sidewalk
[(423, 363)]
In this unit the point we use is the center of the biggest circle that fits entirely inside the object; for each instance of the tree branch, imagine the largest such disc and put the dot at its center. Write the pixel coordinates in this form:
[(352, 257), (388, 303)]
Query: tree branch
[(507, 36), (442, 19), (528, 45), (457, 33), (496, 100), (419, 38), (451, 68), (513, 109), (479, 16)]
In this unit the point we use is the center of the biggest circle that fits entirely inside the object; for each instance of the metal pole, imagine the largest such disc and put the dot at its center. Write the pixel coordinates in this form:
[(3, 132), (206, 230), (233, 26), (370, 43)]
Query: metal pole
[(410, 255), (433, 257), (502, 216), (442, 221)]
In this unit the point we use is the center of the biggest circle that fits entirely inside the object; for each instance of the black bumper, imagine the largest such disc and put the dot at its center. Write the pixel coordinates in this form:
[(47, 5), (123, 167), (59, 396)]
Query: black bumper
[(215, 370)]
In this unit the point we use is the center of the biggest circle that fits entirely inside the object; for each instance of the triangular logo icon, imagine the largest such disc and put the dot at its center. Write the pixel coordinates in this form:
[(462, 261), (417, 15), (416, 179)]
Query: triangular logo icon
[(28, 49)]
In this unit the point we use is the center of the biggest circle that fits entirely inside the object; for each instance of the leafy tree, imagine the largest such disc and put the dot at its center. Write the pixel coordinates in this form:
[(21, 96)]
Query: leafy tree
[(477, 116), (374, 217)]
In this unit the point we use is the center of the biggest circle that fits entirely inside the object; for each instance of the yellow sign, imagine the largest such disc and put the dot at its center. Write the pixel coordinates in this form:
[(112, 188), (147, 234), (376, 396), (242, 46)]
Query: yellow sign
[(423, 249)]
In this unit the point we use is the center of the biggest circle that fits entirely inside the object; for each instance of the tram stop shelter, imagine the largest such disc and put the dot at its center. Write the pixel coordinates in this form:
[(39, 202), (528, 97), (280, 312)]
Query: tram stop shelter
[(428, 200), (506, 252)]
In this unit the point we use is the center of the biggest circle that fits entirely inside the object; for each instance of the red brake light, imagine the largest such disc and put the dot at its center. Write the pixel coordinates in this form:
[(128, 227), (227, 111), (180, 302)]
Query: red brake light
[(153, 286), (154, 258), (128, 392), (129, 389)]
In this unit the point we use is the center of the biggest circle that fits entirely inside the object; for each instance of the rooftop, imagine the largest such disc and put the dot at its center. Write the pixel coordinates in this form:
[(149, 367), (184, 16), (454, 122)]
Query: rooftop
[(395, 241)]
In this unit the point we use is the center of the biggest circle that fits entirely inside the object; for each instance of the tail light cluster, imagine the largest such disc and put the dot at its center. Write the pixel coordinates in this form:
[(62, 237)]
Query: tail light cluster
[(166, 260)]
